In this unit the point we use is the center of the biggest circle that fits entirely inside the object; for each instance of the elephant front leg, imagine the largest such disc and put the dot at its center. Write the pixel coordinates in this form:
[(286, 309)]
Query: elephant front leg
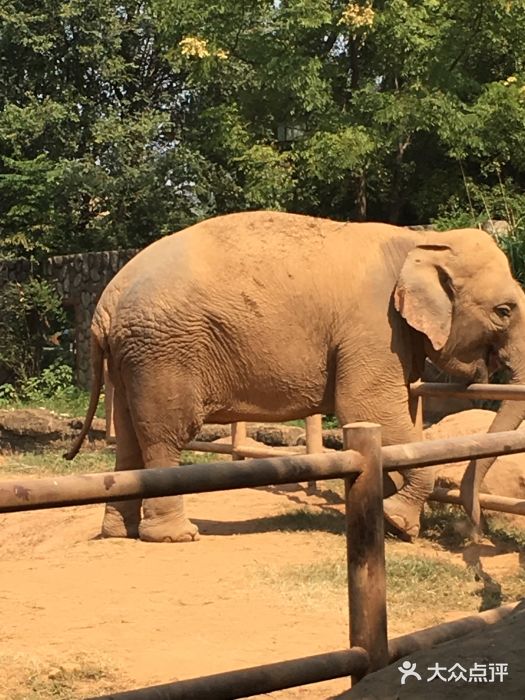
[(403, 509), (391, 409)]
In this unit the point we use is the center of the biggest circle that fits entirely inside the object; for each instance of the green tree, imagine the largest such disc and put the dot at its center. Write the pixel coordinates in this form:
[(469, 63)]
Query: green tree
[(122, 122), (89, 154)]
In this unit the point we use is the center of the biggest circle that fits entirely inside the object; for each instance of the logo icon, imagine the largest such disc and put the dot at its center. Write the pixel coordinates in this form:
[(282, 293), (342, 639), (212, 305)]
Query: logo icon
[(407, 670)]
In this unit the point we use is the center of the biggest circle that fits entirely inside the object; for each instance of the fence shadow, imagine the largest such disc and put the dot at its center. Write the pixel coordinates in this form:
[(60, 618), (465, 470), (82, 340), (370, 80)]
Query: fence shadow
[(297, 493), (323, 520)]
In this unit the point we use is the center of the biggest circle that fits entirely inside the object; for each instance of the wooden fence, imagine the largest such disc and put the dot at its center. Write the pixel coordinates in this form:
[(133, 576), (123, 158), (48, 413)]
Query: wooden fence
[(361, 464), (314, 435)]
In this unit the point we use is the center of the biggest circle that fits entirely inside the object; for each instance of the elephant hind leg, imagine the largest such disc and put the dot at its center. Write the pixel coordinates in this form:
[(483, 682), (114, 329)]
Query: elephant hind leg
[(164, 519), (122, 518), (167, 413)]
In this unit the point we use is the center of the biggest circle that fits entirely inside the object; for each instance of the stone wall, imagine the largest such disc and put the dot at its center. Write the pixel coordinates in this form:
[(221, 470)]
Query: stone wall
[(79, 280)]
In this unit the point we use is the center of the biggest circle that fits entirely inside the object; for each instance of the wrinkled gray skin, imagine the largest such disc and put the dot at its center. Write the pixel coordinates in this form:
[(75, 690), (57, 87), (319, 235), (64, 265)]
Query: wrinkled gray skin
[(270, 316)]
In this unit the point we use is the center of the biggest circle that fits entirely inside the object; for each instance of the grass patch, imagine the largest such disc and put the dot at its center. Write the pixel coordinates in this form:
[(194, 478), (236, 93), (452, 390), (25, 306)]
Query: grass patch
[(500, 529), (299, 422), (412, 582), (415, 581), (71, 402), (53, 463), (514, 587), (328, 422), (450, 527), (189, 457), (446, 524), (26, 678)]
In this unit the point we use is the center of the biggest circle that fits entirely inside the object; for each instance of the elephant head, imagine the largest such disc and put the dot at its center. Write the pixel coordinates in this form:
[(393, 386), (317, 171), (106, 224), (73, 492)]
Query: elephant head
[(457, 289)]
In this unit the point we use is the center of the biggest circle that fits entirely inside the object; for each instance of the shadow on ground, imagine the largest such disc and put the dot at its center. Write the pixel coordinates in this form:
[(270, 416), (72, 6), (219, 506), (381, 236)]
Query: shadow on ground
[(298, 521)]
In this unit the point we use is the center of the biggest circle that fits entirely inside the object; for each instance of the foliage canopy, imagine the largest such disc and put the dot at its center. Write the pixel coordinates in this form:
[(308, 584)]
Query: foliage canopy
[(120, 122)]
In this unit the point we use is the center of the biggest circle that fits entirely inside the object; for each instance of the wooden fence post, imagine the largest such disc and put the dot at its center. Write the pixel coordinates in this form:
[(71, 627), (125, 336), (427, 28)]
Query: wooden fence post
[(109, 391), (366, 545), (238, 438), (314, 440)]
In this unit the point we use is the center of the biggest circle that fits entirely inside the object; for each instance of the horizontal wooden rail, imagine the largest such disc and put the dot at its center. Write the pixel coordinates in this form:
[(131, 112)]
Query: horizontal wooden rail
[(245, 450), (432, 452), (30, 494), (503, 504), (413, 454), (56, 492), (495, 392), (311, 669), (220, 448), (257, 680)]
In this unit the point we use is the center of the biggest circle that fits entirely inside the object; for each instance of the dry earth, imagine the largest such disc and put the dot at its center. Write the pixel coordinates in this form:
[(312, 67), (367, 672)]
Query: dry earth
[(119, 614)]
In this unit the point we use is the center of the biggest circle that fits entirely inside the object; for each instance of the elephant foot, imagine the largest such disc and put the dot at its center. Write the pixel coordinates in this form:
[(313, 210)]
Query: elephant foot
[(166, 529), (121, 520), (402, 517)]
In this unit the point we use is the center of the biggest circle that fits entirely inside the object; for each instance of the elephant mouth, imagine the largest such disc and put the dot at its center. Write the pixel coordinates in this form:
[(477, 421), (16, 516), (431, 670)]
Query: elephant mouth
[(497, 361), (494, 361)]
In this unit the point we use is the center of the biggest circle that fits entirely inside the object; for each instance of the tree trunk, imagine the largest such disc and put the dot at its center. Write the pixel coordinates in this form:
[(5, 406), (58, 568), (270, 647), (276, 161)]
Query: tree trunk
[(361, 203)]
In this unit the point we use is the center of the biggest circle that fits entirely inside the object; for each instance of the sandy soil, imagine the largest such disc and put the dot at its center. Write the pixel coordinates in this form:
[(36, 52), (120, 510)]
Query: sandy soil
[(160, 612)]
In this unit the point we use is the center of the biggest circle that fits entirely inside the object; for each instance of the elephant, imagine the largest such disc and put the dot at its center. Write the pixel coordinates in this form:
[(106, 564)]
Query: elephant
[(264, 315)]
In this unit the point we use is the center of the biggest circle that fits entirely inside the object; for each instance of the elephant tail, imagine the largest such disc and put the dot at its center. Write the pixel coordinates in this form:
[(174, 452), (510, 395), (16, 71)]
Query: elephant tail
[(97, 379)]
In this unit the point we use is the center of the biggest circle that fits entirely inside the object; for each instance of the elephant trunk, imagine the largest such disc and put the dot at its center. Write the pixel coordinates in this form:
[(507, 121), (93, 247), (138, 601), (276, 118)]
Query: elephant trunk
[(509, 417)]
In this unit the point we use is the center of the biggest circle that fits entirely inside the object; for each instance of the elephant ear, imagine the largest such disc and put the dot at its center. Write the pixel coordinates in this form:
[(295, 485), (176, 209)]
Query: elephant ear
[(423, 294)]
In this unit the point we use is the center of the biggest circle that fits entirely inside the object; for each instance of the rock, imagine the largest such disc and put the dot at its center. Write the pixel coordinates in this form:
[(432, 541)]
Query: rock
[(332, 438), (497, 227), (212, 431), (422, 227), (36, 429), (506, 476), (30, 421), (267, 433), (278, 435)]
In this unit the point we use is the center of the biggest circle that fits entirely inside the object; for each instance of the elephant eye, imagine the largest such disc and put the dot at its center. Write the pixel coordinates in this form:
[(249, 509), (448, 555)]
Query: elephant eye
[(504, 310)]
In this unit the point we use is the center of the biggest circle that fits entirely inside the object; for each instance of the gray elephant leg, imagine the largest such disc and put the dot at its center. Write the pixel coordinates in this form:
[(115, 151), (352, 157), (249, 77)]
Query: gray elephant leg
[(164, 519), (121, 518), (402, 509), (165, 414)]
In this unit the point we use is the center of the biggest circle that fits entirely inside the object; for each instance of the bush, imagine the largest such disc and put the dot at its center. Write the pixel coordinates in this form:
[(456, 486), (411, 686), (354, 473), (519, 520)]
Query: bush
[(513, 246), (53, 389), (482, 203), (29, 313), (51, 382), (54, 382)]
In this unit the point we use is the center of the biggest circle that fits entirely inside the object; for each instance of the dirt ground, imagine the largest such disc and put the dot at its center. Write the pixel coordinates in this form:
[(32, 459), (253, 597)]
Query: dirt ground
[(152, 613)]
